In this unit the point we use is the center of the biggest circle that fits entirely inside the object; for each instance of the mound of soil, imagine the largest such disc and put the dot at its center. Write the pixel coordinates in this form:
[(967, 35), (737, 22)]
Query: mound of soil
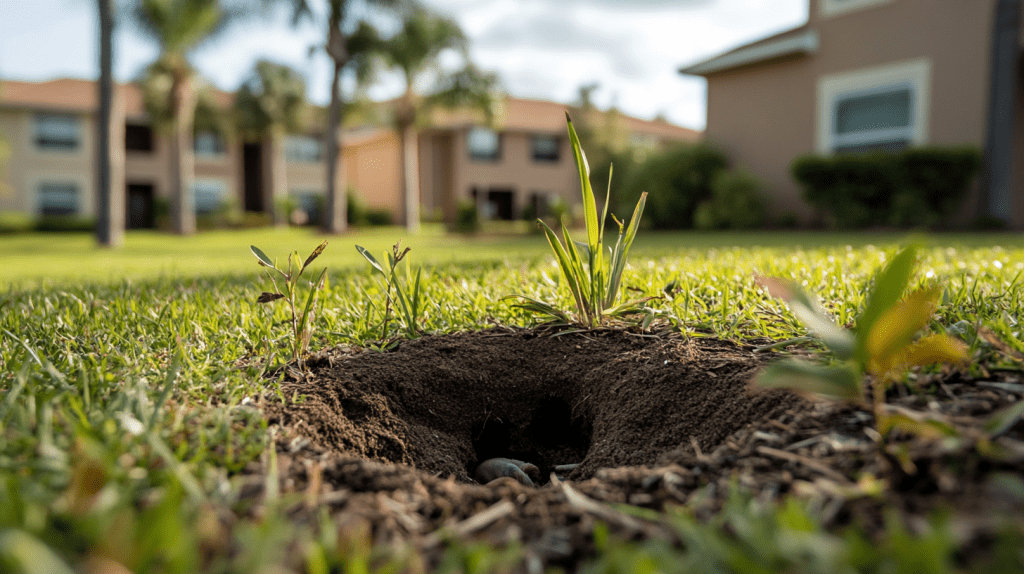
[(390, 440), (443, 404)]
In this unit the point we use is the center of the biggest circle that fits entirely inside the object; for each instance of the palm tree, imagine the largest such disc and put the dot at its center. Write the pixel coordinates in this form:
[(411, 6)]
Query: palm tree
[(415, 51), (110, 189), (270, 104), (179, 27), (351, 42)]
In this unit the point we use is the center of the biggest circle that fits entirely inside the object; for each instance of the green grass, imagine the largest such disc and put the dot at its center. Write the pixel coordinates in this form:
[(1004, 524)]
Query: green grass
[(120, 392)]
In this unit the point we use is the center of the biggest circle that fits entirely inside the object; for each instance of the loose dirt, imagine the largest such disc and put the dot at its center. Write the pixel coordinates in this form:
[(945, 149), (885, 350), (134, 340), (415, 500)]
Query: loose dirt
[(390, 441)]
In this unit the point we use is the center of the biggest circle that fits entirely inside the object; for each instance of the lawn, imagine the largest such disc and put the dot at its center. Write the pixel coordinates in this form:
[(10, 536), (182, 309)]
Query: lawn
[(128, 381)]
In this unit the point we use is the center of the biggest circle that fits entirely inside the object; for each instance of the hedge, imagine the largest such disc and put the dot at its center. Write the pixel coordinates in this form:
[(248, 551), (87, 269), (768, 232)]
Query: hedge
[(917, 187)]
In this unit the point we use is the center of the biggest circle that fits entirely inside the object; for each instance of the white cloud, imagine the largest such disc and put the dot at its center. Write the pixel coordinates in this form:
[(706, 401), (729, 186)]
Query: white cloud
[(541, 48)]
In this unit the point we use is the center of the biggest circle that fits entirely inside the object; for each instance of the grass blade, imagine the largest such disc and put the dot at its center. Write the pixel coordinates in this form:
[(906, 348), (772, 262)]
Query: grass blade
[(373, 261), (589, 204), (314, 293), (621, 251), (564, 263)]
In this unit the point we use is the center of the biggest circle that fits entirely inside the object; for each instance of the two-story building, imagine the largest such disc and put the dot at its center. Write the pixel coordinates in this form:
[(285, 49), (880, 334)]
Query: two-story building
[(524, 159), (863, 75)]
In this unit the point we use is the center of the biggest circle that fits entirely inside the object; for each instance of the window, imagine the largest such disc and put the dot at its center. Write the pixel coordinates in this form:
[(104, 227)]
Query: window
[(545, 148), (305, 149), (209, 195), (829, 8), (310, 203), (873, 121), (484, 144), (884, 108), (209, 144), (138, 137), (58, 198), (61, 132)]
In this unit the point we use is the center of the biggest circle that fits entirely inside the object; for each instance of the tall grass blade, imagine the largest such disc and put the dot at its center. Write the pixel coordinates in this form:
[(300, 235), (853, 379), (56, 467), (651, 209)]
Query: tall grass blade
[(621, 251), (304, 332), (565, 264)]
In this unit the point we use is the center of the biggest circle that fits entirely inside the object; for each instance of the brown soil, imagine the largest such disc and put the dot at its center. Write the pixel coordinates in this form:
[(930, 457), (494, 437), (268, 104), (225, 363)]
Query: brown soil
[(391, 439)]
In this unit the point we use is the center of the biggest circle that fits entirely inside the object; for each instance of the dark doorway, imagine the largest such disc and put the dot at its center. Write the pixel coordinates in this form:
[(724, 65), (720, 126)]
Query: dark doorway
[(499, 204), (140, 212), (252, 170)]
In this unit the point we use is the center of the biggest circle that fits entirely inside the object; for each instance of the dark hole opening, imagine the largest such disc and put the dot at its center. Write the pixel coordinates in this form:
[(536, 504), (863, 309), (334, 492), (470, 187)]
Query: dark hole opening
[(551, 438)]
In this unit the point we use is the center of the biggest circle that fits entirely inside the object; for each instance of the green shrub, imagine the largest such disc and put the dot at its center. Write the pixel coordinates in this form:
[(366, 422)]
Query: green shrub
[(355, 211), (65, 223), (678, 179), (916, 187), (466, 218), (378, 217), (736, 203), (15, 223)]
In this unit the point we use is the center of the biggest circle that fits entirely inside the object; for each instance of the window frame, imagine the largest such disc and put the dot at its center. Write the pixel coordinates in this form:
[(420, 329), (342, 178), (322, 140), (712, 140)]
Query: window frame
[(220, 150), (832, 8), (40, 193), (290, 147), (139, 126), (474, 156), (556, 158), (37, 139), (914, 75), (223, 195)]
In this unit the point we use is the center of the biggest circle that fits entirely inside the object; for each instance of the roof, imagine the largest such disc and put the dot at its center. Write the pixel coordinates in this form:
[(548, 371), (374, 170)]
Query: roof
[(528, 115), (800, 41), (76, 95)]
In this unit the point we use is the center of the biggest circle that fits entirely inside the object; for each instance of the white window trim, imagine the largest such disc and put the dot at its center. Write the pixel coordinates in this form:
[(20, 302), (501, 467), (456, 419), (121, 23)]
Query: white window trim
[(82, 181), (915, 74), (830, 8), (85, 135), (224, 184)]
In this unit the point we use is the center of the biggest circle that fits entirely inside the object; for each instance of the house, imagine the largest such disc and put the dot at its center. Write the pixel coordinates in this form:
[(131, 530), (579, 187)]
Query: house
[(524, 160), (864, 75)]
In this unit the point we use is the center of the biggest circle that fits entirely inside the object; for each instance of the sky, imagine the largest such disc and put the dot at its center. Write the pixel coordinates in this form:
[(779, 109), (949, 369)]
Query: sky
[(542, 49)]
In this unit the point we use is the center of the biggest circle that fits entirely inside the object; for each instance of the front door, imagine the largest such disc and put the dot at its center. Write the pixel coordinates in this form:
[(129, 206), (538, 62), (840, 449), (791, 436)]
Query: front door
[(140, 212)]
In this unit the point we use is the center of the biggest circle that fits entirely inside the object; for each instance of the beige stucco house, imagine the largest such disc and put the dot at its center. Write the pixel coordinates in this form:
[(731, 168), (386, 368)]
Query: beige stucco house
[(876, 74), (523, 159)]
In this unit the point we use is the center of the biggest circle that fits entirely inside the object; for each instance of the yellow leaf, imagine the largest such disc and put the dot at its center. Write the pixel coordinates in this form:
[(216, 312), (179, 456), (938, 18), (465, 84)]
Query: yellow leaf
[(937, 349), (926, 351), (896, 326)]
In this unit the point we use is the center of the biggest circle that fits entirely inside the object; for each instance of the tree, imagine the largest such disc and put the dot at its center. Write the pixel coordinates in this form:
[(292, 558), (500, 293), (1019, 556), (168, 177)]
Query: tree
[(416, 51), (270, 104), (179, 27), (110, 209), (350, 43)]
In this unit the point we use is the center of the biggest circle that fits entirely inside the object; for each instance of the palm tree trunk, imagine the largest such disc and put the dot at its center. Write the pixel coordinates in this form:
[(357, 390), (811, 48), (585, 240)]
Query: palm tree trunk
[(278, 176), (335, 216), (110, 190), (411, 176), (183, 210)]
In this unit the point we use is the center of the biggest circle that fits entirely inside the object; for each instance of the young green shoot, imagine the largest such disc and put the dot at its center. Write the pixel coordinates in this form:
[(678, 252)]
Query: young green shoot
[(407, 298), (303, 314), (883, 344), (594, 285)]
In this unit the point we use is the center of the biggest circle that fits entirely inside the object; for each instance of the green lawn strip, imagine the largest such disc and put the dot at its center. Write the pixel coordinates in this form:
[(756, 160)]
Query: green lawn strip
[(124, 403)]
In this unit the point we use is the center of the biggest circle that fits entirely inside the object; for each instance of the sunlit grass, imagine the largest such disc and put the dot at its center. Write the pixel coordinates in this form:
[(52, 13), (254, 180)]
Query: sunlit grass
[(129, 370)]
